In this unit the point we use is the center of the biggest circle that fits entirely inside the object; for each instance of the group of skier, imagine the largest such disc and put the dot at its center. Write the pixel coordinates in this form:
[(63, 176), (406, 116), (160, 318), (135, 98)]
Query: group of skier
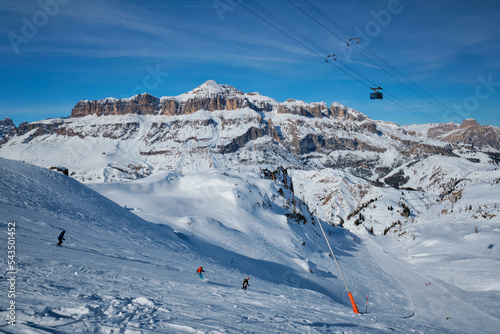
[(200, 270)]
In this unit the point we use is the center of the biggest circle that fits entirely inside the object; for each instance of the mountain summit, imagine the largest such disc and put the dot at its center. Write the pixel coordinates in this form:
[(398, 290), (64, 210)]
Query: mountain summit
[(213, 88)]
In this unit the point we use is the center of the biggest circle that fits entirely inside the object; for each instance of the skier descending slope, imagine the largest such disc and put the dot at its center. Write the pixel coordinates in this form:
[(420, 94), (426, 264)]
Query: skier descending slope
[(200, 271), (245, 283), (61, 238)]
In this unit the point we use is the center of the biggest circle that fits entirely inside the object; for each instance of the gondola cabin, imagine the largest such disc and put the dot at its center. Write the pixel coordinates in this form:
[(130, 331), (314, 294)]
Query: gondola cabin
[(376, 95)]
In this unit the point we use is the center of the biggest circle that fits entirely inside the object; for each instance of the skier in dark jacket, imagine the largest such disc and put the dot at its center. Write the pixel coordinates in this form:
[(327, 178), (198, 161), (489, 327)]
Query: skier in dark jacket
[(61, 238), (245, 283), (200, 271)]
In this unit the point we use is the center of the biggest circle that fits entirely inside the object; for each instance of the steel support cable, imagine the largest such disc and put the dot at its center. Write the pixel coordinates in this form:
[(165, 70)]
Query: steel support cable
[(316, 45), (288, 26), (296, 39), (365, 56), (408, 107), (439, 104), (281, 30), (396, 99), (345, 64), (299, 41), (357, 72), (404, 83), (313, 43), (349, 74), (326, 17), (331, 31), (306, 38), (446, 108)]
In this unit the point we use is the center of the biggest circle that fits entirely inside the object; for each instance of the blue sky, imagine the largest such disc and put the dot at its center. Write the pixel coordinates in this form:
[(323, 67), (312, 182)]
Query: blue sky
[(57, 52)]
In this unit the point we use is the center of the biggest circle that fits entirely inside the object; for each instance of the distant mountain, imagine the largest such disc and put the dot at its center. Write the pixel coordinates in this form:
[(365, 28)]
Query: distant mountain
[(217, 125), (468, 133)]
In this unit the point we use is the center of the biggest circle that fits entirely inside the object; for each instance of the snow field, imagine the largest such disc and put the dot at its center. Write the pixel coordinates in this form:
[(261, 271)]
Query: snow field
[(120, 273)]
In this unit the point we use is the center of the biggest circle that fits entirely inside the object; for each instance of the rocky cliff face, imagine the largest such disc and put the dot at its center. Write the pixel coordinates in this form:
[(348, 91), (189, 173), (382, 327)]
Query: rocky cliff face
[(340, 111), (211, 97), (471, 133), (300, 108), (143, 104)]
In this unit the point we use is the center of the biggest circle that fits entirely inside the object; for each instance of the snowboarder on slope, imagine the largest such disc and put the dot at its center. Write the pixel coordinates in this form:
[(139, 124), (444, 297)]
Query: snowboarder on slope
[(200, 271), (61, 238), (245, 283)]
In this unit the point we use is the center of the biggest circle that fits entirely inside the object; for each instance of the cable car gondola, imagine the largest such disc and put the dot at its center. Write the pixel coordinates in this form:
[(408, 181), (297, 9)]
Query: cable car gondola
[(376, 95)]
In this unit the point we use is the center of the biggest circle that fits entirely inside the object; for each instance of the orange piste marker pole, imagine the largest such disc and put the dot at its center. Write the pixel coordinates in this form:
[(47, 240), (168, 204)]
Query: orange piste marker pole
[(354, 307)]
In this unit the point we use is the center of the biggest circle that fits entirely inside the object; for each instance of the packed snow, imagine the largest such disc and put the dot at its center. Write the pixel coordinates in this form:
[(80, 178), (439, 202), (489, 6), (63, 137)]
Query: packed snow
[(129, 262)]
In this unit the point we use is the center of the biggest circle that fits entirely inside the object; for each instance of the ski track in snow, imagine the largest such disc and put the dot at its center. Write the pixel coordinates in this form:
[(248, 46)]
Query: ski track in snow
[(434, 298)]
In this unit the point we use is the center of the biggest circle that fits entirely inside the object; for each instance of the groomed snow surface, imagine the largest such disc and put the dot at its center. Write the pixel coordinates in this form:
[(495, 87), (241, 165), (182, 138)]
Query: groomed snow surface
[(131, 267)]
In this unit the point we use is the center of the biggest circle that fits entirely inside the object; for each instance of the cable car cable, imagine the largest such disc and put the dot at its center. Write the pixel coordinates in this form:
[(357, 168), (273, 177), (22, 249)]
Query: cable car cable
[(446, 108), (317, 46)]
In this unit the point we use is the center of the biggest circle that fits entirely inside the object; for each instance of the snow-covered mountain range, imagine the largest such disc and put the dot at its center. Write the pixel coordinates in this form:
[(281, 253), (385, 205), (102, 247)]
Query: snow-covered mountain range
[(218, 126)]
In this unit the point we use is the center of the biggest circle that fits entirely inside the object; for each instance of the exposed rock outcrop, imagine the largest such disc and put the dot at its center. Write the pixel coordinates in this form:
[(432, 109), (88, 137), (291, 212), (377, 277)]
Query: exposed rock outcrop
[(7, 129), (240, 141), (301, 108), (143, 104), (397, 179), (318, 143), (340, 111), (470, 132)]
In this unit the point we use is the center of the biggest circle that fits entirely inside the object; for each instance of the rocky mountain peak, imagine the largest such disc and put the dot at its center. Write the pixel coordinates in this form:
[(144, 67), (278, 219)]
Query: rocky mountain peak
[(291, 133), (7, 128), (468, 123), (210, 96), (6, 122), (211, 88)]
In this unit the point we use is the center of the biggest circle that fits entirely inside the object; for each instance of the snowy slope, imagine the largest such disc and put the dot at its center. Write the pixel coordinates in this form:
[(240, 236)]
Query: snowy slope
[(456, 241), (209, 206), (120, 273), (339, 198)]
